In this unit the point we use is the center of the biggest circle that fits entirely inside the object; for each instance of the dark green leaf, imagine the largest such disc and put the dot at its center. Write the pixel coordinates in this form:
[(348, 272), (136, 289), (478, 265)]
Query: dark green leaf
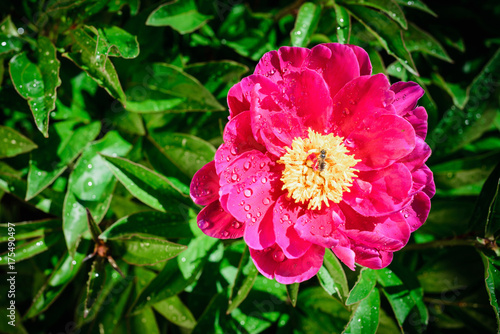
[(483, 205), (29, 249), (75, 106), (419, 40), (67, 139), (147, 186), (492, 279), (211, 316), (245, 278), (305, 25), (332, 277), (365, 317), (363, 287), (94, 229), (150, 223), (95, 284), (166, 88), (90, 186), (389, 7), (417, 4), (176, 312), (144, 322), (84, 46), (456, 92), (293, 291), (38, 82), (14, 143), (181, 15), (61, 276), (31, 229), (9, 37)]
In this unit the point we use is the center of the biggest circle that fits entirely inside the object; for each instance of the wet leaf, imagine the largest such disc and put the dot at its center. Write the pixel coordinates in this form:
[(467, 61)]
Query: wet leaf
[(293, 291), (176, 312), (95, 284), (305, 24), (9, 37), (14, 143), (365, 318), (343, 24), (419, 40), (417, 4), (245, 278), (37, 82), (363, 287), (332, 277), (116, 42), (389, 7), (492, 280), (181, 15), (31, 248), (30, 229), (144, 322)]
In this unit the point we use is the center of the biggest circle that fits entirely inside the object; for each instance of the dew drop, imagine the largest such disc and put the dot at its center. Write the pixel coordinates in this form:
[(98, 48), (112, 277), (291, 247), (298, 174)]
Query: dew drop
[(248, 192), (247, 207)]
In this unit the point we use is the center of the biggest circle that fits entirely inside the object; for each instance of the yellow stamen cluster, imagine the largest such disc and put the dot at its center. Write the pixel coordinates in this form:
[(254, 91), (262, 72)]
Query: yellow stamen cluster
[(318, 169)]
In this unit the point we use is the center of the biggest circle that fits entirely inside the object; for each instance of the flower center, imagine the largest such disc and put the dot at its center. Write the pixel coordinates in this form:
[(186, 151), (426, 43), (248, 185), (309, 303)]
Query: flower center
[(318, 169)]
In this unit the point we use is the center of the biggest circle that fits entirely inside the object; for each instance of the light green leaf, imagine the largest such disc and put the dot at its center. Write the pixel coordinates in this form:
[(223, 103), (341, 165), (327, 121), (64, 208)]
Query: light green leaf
[(67, 139), (176, 312), (30, 229), (343, 24), (84, 46), (9, 37), (365, 317), (363, 287), (492, 280), (116, 42), (147, 186), (389, 7), (13, 143), (166, 88), (305, 24), (293, 291), (245, 278), (181, 15), (29, 249), (332, 277), (38, 82), (144, 322)]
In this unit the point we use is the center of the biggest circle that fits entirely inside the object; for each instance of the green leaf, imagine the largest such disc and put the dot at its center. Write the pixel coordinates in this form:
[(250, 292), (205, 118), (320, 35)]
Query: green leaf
[(65, 271), (149, 223), (492, 280), (30, 229), (343, 24), (9, 37), (14, 143), (405, 296), (84, 46), (38, 82), (67, 139), (95, 284), (389, 7), (386, 32), (211, 317), (185, 152), (144, 322), (90, 186), (456, 92), (147, 186), (75, 105), (245, 278), (305, 24), (332, 277), (363, 287), (176, 312), (419, 40), (293, 291), (166, 88), (116, 42), (365, 318), (417, 4), (142, 251), (181, 15), (29, 249), (493, 220)]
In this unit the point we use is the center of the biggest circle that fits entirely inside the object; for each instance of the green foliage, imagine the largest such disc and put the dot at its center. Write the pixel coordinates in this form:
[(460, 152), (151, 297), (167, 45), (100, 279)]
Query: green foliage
[(110, 107)]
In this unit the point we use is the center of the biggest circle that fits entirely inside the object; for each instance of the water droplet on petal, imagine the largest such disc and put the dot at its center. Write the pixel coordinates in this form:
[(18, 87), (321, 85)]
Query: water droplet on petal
[(248, 192)]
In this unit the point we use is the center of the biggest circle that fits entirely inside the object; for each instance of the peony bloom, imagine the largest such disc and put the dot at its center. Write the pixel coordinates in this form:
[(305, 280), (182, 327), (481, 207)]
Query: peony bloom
[(318, 153)]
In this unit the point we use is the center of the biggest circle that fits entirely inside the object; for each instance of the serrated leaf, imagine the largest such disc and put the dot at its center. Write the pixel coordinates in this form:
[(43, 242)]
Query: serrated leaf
[(365, 318), (181, 15), (176, 312), (67, 139), (363, 287), (84, 44), (9, 37), (31, 248), (305, 24), (244, 280), (332, 277), (184, 152), (38, 82), (166, 88), (417, 4), (389, 7), (146, 185), (419, 40), (13, 143), (90, 186), (29, 229), (387, 32), (492, 280), (116, 42)]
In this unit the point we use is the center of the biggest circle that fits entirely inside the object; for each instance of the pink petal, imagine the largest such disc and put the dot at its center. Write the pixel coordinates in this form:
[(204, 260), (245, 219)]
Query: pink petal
[(310, 97), (365, 66), (237, 101), (243, 166), (292, 58), (380, 192), (418, 119), (272, 263), (346, 255), (217, 223), (381, 142), (372, 258), (320, 227), (418, 156), (423, 180), (407, 95), (270, 66), (238, 138), (205, 185), (250, 202), (285, 215), (336, 62), (363, 98), (417, 212)]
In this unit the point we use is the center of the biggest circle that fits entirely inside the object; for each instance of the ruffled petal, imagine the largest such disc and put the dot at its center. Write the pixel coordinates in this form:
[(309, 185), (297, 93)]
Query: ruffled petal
[(407, 95), (259, 233), (418, 156), (381, 141), (417, 212), (372, 258), (276, 64), (285, 215), (320, 227), (363, 98), (365, 66), (380, 192), (217, 223), (423, 180), (204, 187), (237, 101), (272, 263), (418, 119)]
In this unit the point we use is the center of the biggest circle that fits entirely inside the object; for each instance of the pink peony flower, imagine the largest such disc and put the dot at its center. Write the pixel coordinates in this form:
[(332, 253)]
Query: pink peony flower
[(318, 153)]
